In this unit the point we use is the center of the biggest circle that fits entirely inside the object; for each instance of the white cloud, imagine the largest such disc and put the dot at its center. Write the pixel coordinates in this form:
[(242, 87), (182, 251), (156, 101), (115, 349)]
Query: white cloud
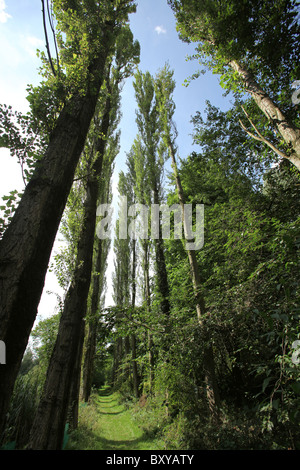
[(160, 30), (31, 44), (35, 42), (3, 15)]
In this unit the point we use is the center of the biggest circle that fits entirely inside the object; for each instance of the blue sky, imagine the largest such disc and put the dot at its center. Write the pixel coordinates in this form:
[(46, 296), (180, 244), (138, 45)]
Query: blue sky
[(153, 25)]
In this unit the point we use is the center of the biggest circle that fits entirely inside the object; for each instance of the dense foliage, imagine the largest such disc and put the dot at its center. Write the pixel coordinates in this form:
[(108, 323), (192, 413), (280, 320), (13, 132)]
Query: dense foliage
[(250, 279), (237, 297)]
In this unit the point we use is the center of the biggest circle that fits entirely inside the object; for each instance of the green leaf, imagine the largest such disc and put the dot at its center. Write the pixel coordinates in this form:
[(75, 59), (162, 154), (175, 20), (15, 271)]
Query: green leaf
[(296, 387), (275, 404), (266, 383)]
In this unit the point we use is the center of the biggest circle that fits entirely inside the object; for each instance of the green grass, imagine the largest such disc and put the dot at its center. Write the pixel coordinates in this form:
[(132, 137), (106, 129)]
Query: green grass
[(105, 424)]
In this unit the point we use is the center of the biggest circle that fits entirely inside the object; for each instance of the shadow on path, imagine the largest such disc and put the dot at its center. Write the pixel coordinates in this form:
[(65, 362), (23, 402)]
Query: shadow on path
[(108, 425)]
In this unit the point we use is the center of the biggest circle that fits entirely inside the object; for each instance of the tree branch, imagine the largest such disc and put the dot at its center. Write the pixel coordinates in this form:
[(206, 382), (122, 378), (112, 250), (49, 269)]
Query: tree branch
[(259, 136), (50, 16), (46, 37)]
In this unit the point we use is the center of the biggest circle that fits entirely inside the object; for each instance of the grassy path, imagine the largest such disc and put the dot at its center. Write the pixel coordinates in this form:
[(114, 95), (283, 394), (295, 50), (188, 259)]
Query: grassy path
[(105, 424)]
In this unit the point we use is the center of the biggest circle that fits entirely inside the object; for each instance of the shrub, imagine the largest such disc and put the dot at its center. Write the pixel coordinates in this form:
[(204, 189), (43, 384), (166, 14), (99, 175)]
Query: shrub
[(22, 408)]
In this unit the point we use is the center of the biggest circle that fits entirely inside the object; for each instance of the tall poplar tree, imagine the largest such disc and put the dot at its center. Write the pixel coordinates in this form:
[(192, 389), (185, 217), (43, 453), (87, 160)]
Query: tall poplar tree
[(165, 85), (121, 286), (149, 126), (97, 287), (138, 167)]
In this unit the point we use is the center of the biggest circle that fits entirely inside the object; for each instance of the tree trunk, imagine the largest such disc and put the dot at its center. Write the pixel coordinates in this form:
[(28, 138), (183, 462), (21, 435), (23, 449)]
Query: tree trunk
[(88, 366), (161, 270), (73, 411), (92, 329), (212, 391), (151, 362), (148, 304), (27, 243), (126, 367), (135, 376), (48, 428), (118, 349), (289, 133)]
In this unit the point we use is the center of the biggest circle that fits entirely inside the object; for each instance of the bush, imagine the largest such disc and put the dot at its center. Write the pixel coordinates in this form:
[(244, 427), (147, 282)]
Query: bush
[(151, 414), (22, 408)]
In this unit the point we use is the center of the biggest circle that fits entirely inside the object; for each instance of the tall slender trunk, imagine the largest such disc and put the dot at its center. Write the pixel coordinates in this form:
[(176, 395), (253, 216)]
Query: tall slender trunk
[(161, 270), (48, 427), (92, 328), (126, 367), (289, 133), (148, 306), (73, 409), (212, 391), (92, 322), (27, 243), (151, 362), (135, 375), (118, 350), (88, 366)]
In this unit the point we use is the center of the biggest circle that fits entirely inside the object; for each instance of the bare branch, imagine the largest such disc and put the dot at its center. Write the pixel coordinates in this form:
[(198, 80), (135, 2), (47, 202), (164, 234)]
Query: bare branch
[(50, 17), (259, 136), (46, 37)]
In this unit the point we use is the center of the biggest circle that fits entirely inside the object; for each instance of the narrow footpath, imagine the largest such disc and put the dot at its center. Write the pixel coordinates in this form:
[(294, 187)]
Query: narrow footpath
[(108, 425)]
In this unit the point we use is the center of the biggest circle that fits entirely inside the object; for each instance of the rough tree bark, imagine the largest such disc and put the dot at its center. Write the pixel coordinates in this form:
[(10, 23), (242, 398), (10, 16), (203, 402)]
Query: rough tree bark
[(148, 307), (161, 271), (135, 375), (92, 329), (118, 352), (73, 407)]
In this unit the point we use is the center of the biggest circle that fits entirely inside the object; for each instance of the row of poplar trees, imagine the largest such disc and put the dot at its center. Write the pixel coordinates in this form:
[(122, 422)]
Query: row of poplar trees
[(143, 184), (71, 135)]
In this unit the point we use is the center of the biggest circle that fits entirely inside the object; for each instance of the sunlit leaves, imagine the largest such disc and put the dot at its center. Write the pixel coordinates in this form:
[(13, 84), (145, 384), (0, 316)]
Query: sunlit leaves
[(7, 210)]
